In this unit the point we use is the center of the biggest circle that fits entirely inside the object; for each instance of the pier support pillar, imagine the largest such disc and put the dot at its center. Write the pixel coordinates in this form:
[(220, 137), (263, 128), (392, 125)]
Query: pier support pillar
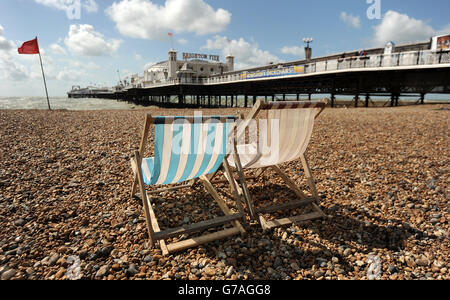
[(309, 97), (356, 100), (422, 98), (367, 100), (298, 97), (246, 101), (333, 99), (254, 99)]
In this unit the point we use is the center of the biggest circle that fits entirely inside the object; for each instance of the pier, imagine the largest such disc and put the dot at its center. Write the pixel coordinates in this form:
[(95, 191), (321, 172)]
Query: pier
[(410, 70)]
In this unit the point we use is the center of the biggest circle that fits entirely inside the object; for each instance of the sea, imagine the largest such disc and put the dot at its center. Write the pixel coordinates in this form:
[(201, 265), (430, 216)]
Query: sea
[(13, 103), (64, 103)]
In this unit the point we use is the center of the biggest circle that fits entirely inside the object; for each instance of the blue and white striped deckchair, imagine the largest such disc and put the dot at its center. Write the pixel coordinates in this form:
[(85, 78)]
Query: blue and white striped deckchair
[(186, 149)]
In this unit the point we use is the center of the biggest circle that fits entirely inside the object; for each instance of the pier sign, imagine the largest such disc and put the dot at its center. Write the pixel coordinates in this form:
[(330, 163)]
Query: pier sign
[(295, 70), (440, 43), (200, 56)]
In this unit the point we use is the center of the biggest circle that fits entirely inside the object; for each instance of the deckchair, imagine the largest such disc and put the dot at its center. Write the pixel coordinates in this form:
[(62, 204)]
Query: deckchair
[(295, 122), (186, 150)]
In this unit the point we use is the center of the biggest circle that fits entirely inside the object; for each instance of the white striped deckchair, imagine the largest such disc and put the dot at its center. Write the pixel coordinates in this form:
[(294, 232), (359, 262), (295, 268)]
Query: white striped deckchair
[(295, 122), (186, 149)]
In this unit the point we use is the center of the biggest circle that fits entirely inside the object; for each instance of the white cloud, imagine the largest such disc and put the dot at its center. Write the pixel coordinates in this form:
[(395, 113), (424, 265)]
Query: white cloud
[(294, 51), (90, 6), (351, 20), (84, 40), (10, 68), (138, 57), (57, 49), (65, 5), (147, 20), (400, 28), (247, 55), (70, 74), (182, 41), (4, 43)]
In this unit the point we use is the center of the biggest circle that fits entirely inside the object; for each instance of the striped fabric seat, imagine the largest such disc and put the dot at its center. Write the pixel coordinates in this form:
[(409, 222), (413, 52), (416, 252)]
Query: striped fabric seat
[(187, 148), (291, 125)]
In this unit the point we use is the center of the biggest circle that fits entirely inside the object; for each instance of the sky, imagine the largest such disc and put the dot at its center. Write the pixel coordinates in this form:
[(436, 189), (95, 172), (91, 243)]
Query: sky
[(86, 42)]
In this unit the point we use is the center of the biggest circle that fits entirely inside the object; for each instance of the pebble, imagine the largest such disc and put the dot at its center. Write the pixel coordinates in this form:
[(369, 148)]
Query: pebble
[(19, 222), (148, 258), (209, 271), (392, 269), (103, 271), (75, 210), (53, 259), (422, 261), (131, 271), (277, 262), (7, 275), (229, 272), (318, 274), (294, 266)]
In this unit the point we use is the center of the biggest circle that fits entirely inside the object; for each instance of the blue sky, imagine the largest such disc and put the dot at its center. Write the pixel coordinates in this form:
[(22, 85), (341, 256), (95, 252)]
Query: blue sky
[(127, 35)]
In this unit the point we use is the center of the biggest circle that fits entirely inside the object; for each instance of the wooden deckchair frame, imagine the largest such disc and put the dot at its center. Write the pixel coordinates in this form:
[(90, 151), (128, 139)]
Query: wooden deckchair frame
[(154, 231), (303, 200)]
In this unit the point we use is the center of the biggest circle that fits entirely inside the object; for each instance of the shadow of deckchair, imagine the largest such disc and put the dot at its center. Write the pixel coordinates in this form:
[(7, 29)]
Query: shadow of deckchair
[(351, 229)]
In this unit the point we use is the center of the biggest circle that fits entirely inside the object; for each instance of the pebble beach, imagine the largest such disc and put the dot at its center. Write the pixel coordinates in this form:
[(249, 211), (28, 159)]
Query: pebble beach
[(382, 175)]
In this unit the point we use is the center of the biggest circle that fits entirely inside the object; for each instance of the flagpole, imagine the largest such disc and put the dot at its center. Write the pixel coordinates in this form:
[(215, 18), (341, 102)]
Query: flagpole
[(45, 83)]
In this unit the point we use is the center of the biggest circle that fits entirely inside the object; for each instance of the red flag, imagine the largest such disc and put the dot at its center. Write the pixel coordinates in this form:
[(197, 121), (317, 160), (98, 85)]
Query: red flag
[(170, 34), (30, 47)]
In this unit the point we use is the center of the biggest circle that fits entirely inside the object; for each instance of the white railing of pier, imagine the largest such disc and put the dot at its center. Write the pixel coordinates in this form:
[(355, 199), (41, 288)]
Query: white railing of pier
[(404, 59)]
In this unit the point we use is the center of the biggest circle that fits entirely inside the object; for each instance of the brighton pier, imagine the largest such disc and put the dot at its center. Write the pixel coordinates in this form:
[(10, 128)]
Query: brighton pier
[(408, 70)]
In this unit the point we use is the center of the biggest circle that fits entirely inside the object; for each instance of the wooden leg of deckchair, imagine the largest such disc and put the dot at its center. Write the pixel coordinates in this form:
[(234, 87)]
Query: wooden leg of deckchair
[(309, 177), (190, 184), (141, 150), (155, 225), (247, 196), (233, 184), (134, 186), (146, 204), (266, 225), (209, 187), (196, 241)]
